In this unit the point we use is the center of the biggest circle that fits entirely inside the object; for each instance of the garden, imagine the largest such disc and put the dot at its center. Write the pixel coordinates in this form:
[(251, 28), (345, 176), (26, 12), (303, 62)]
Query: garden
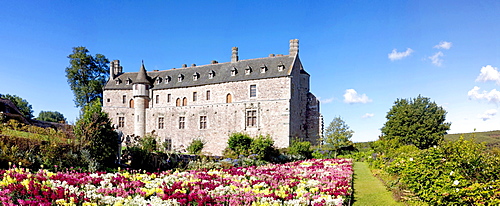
[(308, 182)]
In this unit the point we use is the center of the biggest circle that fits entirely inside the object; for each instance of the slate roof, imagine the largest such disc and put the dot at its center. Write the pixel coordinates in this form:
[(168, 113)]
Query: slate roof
[(221, 71)]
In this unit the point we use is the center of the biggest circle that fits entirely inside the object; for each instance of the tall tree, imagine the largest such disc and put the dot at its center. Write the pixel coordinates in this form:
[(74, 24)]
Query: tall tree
[(96, 135), (51, 116), (416, 121), (21, 104), (86, 75), (337, 136)]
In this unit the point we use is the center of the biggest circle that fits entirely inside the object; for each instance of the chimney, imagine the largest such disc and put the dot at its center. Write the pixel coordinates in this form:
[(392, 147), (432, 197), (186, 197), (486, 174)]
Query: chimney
[(112, 70), (184, 65), (234, 56), (193, 65), (214, 62), (294, 47)]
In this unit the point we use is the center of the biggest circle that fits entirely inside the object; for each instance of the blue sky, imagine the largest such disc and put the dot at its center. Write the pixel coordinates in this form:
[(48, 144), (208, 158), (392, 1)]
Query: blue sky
[(362, 55)]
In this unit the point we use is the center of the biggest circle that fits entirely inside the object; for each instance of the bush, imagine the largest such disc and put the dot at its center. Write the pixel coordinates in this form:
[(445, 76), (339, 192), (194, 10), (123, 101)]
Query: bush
[(148, 142), (240, 144), (301, 148), (195, 147), (263, 148)]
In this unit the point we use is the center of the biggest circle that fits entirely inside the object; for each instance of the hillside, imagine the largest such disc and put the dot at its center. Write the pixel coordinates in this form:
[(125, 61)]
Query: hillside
[(491, 138)]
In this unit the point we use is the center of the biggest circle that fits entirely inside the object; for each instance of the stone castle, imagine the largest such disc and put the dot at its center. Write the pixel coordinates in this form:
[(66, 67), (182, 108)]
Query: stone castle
[(263, 96)]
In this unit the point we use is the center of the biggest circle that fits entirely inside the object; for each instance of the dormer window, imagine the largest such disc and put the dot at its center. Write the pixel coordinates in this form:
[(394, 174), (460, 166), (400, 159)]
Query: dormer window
[(196, 75), (281, 66), (211, 74), (118, 81), (168, 79), (129, 81), (180, 77), (158, 80), (263, 68), (234, 71), (248, 70)]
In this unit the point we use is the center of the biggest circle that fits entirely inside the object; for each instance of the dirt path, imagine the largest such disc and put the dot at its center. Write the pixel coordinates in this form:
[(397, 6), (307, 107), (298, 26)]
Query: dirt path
[(368, 190)]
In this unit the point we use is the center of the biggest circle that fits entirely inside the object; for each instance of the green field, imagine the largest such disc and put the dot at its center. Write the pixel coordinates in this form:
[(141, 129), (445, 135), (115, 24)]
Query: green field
[(491, 138)]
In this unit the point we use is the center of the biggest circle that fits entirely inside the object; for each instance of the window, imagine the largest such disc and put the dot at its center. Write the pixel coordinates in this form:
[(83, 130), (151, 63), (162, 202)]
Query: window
[(129, 81), (203, 122), (229, 98), (131, 103), (180, 77), (263, 68), (248, 70), (157, 99), (253, 90), (211, 74), (158, 80), (251, 118), (167, 144), (281, 67), (234, 71), (184, 101), (121, 121), (182, 122), (168, 79), (108, 100), (195, 96), (124, 99), (169, 96), (118, 81), (196, 75), (208, 94), (161, 121), (178, 102)]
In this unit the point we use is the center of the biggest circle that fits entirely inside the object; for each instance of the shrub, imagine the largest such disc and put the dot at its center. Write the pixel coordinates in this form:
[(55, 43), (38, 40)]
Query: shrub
[(263, 148), (302, 148), (195, 147), (148, 142), (240, 144)]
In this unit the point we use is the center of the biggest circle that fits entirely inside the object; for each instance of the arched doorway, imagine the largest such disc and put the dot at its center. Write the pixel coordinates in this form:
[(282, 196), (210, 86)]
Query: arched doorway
[(229, 98), (178, 102), (184, 101), (131, 103)]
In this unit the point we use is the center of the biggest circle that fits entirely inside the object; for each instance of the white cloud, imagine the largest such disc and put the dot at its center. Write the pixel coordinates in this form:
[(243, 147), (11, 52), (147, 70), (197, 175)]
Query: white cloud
[(326, 101), (488, 114), (443, 45), (493, 96), (395, 55), (489, 73), (436, 60), (368, 115), (351, 96)]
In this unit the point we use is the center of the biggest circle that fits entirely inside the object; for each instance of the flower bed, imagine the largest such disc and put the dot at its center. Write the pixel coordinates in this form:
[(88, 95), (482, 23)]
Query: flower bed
[(310, 182)]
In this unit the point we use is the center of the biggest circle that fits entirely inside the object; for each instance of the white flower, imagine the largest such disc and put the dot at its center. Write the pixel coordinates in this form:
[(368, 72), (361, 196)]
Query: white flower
[(411, 158), (456, 182), (451, 173)]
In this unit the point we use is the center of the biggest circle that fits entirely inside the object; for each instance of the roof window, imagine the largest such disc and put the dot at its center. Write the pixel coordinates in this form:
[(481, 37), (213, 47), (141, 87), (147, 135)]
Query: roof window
[(168, 79), (234, 71), (211, 74), (180, 77), (281, 66), (158, 80), (129, 81), (118, 81), (248, 70), (196, 75), (263, 68)]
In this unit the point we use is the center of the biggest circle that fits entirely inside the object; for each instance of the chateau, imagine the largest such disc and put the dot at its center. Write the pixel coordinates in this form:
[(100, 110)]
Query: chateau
[(263, 96)]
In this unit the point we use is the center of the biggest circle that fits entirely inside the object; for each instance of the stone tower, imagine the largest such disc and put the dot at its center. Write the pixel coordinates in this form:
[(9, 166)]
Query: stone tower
[(141, 101)]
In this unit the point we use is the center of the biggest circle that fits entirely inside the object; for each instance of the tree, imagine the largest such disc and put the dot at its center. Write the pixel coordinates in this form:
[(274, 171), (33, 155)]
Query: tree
[(86, 75), (51, 116), (337, 136), (21, 104), (417, 121), (96, 135)]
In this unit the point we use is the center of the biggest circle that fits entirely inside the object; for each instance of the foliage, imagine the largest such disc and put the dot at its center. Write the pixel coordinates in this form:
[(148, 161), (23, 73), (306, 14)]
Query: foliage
[(337, 136), (148, 142), (51, 116), (490, 138), (96, 135), (196, 146), (302, 148), (416, 121), (263, 148), (461, 172), (21, 104), (86, 75), (239, 144)]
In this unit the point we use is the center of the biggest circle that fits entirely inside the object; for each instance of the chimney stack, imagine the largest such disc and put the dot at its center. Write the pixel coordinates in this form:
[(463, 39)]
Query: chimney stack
[(294, 47), (234, 56)]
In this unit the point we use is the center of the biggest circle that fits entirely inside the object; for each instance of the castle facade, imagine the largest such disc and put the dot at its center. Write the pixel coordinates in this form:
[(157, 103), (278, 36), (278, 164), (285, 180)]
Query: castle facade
[(263, 96)]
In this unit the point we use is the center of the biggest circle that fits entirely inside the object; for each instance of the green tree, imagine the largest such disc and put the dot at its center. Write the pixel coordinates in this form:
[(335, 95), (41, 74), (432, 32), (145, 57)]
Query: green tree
[(21, 104), (51, 116), (196, 146), (96, 135), (417, 121), (337, 136), (86, 75)]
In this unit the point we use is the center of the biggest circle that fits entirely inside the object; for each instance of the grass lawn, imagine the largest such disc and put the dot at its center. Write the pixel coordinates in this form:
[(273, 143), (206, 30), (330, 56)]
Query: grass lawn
[(368, 190)]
